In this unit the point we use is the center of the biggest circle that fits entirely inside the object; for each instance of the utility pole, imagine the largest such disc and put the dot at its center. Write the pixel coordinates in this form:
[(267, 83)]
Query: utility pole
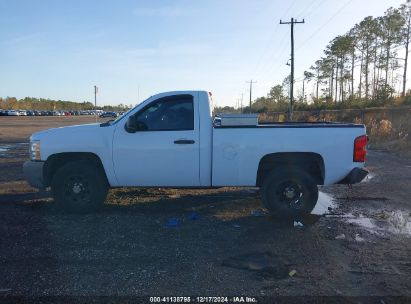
[(95, 101), (407, 43), (251, 90), (241, 106), (303, 90), (292, 22)]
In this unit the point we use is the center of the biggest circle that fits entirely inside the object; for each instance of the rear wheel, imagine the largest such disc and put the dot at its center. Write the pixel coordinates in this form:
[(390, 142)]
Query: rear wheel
[(79, 187), (289, 192)]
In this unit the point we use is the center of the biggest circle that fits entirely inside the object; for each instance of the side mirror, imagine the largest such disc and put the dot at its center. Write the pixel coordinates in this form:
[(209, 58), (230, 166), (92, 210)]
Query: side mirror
[(131, 126)]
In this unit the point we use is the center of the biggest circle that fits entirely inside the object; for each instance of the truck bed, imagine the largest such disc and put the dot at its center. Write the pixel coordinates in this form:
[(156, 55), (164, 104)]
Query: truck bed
[(236, 153)]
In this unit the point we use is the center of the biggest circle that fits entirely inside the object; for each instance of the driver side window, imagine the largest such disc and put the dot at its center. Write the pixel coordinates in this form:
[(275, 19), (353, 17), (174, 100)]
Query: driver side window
[(172, 113)]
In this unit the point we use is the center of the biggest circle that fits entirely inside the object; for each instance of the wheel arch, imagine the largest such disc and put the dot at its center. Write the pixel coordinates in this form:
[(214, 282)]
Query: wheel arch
[(311, 162), (57, 160)]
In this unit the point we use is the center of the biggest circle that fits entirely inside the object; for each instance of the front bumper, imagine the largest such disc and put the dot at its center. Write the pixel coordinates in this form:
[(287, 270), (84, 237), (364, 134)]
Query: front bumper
[(33, 172), (355, 176)]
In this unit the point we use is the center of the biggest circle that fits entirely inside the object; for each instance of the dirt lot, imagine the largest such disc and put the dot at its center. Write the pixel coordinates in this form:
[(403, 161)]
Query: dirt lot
[(357, 244)]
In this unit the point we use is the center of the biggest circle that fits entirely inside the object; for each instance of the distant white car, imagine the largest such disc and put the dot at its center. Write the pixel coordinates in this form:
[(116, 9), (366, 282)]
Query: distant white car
[(13, 113), (22, 113)]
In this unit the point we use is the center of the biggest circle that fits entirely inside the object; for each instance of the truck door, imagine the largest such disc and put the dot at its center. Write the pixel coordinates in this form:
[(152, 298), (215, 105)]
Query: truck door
[(165, 149)]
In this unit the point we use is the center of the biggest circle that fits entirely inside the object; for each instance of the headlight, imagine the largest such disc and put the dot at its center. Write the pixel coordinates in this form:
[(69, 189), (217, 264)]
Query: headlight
[(35, 150)]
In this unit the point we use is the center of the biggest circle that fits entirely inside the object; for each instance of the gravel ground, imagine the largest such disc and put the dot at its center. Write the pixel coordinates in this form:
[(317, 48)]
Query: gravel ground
[(224, 244)]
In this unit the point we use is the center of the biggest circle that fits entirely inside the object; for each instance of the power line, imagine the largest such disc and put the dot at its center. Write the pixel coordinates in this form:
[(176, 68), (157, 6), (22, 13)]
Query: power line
[(289, 8), (269, 43), (310, 9), (304, 10), (323, 25), (292, 22), (278, 58), (274, 56)]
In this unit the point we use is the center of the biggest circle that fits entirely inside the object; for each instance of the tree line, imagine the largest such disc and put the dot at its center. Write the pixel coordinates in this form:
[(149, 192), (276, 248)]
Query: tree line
[(365, 67), (43, 104)]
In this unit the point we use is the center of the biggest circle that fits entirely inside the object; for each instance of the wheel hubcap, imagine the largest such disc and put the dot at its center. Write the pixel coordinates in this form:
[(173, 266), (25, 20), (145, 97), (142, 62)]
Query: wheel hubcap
[(76, 189), (289, 194)]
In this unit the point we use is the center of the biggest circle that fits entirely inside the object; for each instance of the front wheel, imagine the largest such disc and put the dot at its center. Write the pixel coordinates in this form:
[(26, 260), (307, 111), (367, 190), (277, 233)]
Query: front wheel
[(289, 192), (79, 187)]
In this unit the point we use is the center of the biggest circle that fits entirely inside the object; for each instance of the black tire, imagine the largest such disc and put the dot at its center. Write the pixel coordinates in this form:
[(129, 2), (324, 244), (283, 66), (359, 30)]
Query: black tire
[(79, 187), (289, 192)]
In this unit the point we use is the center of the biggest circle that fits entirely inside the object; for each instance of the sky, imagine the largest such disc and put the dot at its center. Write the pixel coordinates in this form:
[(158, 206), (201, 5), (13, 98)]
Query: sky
[(134, 49)]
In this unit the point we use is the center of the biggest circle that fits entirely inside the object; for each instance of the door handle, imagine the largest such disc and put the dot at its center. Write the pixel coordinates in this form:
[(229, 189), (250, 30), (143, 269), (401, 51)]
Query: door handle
[(184, 142)]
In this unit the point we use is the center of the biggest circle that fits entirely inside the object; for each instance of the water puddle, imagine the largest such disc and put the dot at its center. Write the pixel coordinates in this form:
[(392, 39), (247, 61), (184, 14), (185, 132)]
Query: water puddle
[(324, 204), (369, 177), (364, 222), (396, 222)]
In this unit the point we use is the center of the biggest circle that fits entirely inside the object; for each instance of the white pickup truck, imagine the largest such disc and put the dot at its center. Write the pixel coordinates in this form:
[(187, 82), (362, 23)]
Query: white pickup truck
[(172, 140)]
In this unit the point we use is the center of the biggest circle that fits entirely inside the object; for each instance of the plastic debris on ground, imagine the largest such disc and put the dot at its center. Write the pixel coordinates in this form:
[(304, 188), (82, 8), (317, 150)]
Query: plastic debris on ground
[(193, 216), (340, 237), (292, 273), (298, 224), (173, 222), (358, 238)]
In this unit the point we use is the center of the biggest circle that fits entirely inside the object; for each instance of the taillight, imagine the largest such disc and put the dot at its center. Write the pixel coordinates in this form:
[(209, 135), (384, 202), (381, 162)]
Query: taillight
[(360, 148)]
